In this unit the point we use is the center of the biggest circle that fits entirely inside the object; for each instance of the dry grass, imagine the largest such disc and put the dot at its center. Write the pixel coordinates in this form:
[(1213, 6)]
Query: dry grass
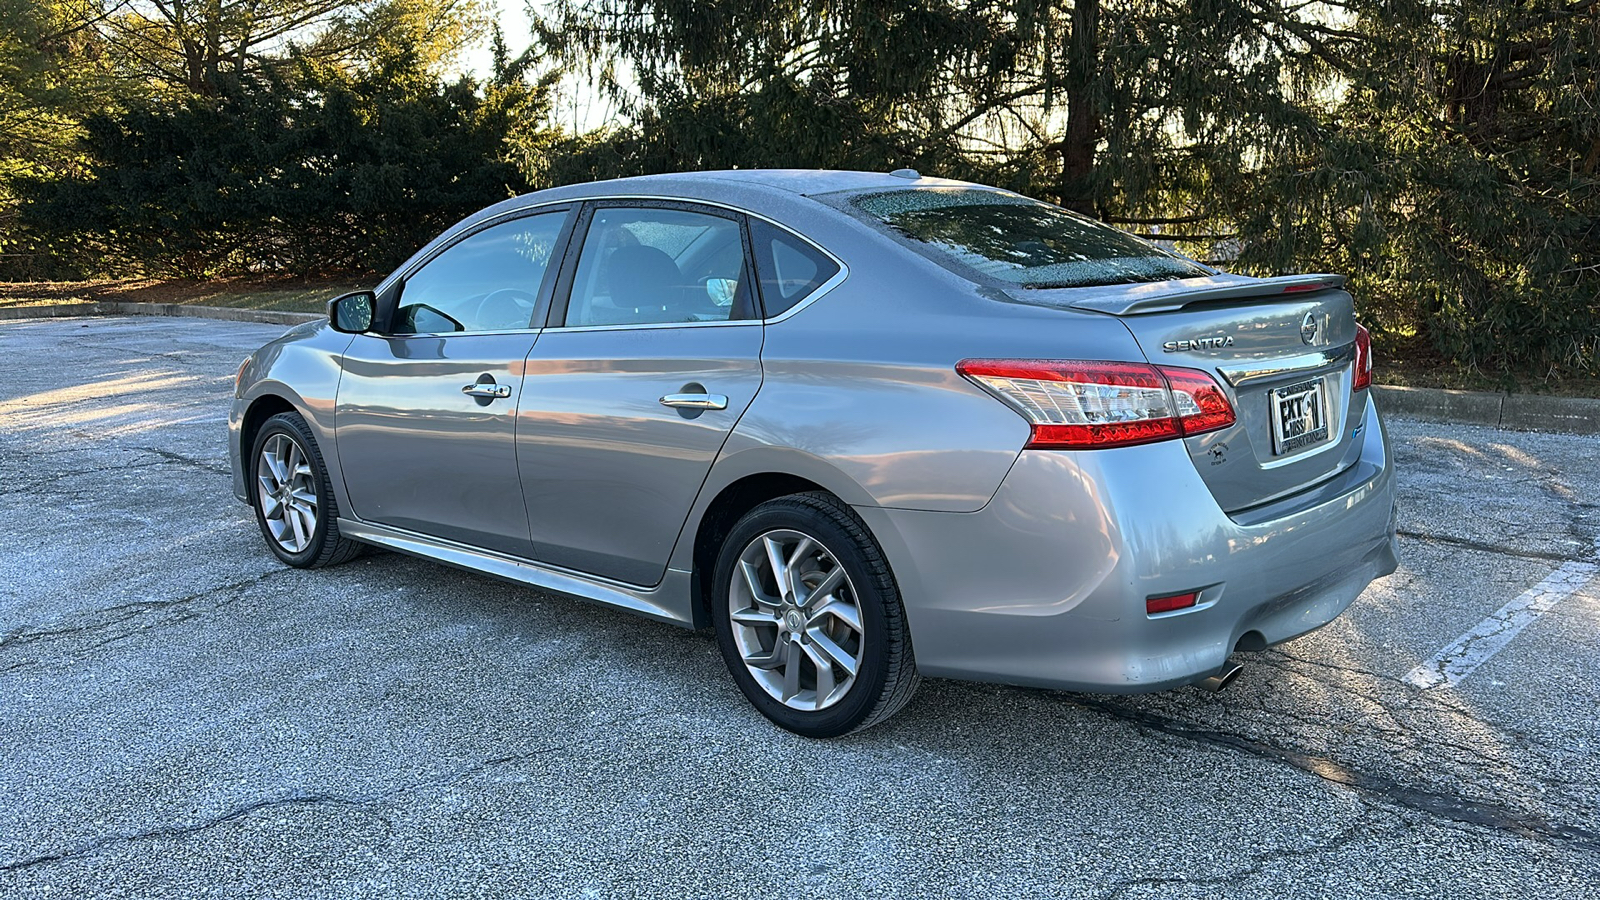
[(281, 294)]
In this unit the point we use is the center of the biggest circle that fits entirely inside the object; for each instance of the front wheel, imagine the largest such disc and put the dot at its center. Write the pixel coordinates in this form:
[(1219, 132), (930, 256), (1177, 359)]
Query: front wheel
[(292, 497), (809, 618)]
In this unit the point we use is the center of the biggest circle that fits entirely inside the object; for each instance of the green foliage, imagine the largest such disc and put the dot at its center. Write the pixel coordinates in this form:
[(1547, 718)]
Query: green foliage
[(51, 74), (1443, 153), (1456, 179), (325, 171), (180, 49)]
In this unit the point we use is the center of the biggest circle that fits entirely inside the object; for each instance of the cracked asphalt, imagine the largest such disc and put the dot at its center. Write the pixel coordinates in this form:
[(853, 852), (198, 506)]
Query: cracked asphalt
[(181, 716)]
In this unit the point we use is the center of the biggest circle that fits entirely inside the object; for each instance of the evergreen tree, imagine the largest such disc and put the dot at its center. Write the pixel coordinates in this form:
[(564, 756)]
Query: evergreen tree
[(1442, 152), (327, 170)]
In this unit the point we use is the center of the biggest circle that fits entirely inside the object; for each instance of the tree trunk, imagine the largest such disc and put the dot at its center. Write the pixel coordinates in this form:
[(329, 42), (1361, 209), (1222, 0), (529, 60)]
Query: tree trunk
[(1078, 145)]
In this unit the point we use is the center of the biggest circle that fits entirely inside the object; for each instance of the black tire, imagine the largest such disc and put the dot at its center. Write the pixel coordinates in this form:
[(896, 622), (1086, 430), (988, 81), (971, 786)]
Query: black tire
[(886, 675), (326, 547)]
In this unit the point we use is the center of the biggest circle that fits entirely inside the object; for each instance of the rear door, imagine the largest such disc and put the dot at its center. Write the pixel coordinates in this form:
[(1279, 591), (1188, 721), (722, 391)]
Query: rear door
[(652, 353), (426, 410)]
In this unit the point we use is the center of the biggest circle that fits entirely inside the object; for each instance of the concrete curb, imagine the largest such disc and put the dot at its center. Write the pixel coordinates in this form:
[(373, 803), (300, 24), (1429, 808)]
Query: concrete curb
[(1519, 412), (118, 308)]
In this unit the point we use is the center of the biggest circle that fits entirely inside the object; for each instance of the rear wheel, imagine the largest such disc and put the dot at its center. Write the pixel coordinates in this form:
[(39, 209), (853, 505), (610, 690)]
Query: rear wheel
[(809, 619), (294, 502)]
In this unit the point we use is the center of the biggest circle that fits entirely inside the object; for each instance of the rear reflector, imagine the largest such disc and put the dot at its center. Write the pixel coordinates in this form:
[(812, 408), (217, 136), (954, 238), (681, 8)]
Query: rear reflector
[(1171, 602), (1363, 376), (1083, 404)]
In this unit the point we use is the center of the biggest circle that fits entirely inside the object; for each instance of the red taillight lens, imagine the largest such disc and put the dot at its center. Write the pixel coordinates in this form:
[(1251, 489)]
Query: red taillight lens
[(1202, 406), (1076, 404), (1363, 376), (1169, 603)]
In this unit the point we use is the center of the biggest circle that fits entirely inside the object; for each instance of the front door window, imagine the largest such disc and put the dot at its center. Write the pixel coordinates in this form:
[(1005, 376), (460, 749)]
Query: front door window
[(487, 282)]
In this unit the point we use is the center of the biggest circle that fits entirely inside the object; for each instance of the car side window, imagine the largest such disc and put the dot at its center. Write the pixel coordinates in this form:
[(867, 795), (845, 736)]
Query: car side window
[(654, 265), (789, 268), (486, 282)]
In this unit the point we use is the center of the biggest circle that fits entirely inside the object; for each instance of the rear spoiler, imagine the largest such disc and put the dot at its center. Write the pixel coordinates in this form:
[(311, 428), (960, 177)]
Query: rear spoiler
[(1165, 296)]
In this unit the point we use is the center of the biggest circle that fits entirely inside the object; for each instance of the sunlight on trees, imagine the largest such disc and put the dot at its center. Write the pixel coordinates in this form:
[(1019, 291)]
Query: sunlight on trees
[(1445, 154)]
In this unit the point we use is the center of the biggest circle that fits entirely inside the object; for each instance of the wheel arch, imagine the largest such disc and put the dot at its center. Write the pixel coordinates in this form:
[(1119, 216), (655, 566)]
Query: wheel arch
[(725, 509), (261, 408), (737, 485), (269, 398)]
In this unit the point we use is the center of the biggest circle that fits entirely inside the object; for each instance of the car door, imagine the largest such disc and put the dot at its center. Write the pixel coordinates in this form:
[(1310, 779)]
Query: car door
[(652, 353), (426, 409)]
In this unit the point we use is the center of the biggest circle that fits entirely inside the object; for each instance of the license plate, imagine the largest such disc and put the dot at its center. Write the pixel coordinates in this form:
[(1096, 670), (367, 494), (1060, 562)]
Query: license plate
[(1299, 416)]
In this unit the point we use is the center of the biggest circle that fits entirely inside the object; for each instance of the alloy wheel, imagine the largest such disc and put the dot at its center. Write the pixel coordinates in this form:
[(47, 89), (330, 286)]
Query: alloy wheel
[(286, 493), (796, 619)]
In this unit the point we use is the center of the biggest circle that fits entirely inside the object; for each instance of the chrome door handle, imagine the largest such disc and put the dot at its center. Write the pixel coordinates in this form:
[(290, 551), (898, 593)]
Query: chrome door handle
[(491, 391), (695, 401)]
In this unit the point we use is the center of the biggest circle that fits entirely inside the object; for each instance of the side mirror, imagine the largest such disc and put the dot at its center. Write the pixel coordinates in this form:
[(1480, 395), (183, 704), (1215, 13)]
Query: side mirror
[(722, 290), (352, 313)]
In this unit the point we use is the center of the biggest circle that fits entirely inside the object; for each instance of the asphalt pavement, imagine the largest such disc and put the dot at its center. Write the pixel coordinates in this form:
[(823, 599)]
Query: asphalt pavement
[(181, 716)]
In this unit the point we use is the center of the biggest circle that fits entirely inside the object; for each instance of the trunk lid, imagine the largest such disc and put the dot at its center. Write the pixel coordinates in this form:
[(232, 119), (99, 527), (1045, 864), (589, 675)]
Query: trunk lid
[(1282, 349)]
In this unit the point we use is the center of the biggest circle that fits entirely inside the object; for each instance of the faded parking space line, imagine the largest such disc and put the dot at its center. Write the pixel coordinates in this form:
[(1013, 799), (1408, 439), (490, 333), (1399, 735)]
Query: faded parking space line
[(1484, 640)]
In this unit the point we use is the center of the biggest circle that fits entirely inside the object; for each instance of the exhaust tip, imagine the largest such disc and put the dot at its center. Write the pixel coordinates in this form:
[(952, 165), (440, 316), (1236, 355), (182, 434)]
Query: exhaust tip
[(1222, 679)]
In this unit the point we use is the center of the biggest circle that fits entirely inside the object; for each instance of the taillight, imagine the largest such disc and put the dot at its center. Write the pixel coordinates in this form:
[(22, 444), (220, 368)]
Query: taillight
[(1075, 404), (1363, 376)]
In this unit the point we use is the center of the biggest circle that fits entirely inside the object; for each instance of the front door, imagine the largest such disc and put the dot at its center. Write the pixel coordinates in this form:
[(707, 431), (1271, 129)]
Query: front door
[(426, 413), (653, 354)]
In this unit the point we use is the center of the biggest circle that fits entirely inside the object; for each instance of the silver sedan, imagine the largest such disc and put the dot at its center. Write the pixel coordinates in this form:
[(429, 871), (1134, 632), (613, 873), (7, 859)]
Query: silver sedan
[(866, 426)]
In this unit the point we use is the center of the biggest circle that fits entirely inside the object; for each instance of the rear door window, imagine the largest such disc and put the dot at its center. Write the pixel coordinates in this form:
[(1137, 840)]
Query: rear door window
[(659, 265)]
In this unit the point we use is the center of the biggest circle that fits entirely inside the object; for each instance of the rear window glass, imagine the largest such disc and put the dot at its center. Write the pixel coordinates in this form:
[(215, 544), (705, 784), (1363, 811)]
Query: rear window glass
[(1021, 241)]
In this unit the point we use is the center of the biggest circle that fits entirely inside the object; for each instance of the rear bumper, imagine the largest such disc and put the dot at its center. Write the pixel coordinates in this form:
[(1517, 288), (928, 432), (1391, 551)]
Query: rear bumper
[(1046, 585)]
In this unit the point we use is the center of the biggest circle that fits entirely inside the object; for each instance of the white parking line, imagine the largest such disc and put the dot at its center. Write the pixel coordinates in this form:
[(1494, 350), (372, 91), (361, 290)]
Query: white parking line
[(1473, 649)]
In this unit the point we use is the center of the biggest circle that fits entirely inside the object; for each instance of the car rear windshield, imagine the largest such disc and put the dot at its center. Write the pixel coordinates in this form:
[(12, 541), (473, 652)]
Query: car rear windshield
[(1021, 241)]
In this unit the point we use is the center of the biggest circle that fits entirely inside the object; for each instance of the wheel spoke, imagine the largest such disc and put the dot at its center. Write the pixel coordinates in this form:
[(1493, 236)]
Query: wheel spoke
[(301, 533), (833, 651), (838, 609), (756, 617), (793, 568), (274, 466), (825, 680), (826, 586), (791, 676), (780, 567), (769, 660), (307, 497), (752, 577), (270, 507)]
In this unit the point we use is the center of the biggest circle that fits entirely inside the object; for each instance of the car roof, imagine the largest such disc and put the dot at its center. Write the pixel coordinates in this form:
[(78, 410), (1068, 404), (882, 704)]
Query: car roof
[(809, 182), (802, 182)]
